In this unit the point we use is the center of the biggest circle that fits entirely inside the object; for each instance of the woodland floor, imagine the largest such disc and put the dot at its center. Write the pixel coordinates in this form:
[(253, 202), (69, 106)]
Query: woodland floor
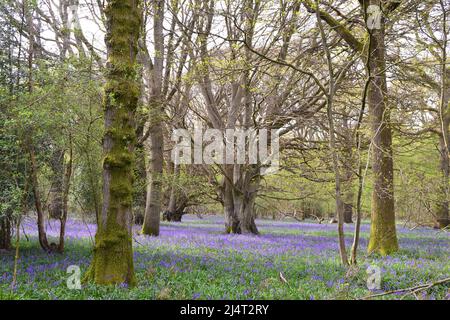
[(195, 260)]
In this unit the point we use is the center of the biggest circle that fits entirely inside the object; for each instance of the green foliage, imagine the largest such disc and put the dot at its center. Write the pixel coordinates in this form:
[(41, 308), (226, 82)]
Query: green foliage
[(63, 109)]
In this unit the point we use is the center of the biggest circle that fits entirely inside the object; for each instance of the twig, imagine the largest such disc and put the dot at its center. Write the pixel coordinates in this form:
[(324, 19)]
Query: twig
[(411, 290)]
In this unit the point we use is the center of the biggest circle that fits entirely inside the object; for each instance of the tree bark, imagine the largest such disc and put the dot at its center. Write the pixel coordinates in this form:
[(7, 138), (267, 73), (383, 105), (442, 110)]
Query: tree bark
[(442, 214), (65, 197), (140, 193), (231, 220), (347, 199), (442, 206), (348, 195), (42, 235), (244, 196), (172, 206), (55, 205), (113, 253), (155, 146), (383, 236), (5, 232)]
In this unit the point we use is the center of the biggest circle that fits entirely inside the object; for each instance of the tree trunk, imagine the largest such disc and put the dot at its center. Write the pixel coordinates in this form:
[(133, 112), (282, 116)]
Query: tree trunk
[(442, 207), (113, 253), (5, 232), (348, 195), (65, 197), (348, 169), (172, 206), (42, 235), (348, 211), (55, 205), (245, 211), (244, 196), (231, 220), (383, 236), (140, 193), (442, 214), (155, 146)]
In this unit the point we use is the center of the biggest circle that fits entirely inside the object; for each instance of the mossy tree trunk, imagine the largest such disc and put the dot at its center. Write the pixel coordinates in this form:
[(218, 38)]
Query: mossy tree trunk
[(383, 236), (113, 256), (155, 147)]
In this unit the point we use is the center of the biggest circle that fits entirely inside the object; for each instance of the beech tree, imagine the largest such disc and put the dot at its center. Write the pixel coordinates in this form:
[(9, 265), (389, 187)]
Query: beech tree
[(430, 75), (113, 254), (155, 143), (383, 237)]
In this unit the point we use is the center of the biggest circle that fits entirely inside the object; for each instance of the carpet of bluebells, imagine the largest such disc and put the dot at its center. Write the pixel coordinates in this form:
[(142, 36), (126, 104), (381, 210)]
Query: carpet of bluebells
[(194, 259)]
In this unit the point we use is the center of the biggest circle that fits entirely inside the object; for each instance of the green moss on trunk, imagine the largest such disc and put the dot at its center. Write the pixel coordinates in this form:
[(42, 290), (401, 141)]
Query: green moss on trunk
[(383, 237), (113, 254)]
